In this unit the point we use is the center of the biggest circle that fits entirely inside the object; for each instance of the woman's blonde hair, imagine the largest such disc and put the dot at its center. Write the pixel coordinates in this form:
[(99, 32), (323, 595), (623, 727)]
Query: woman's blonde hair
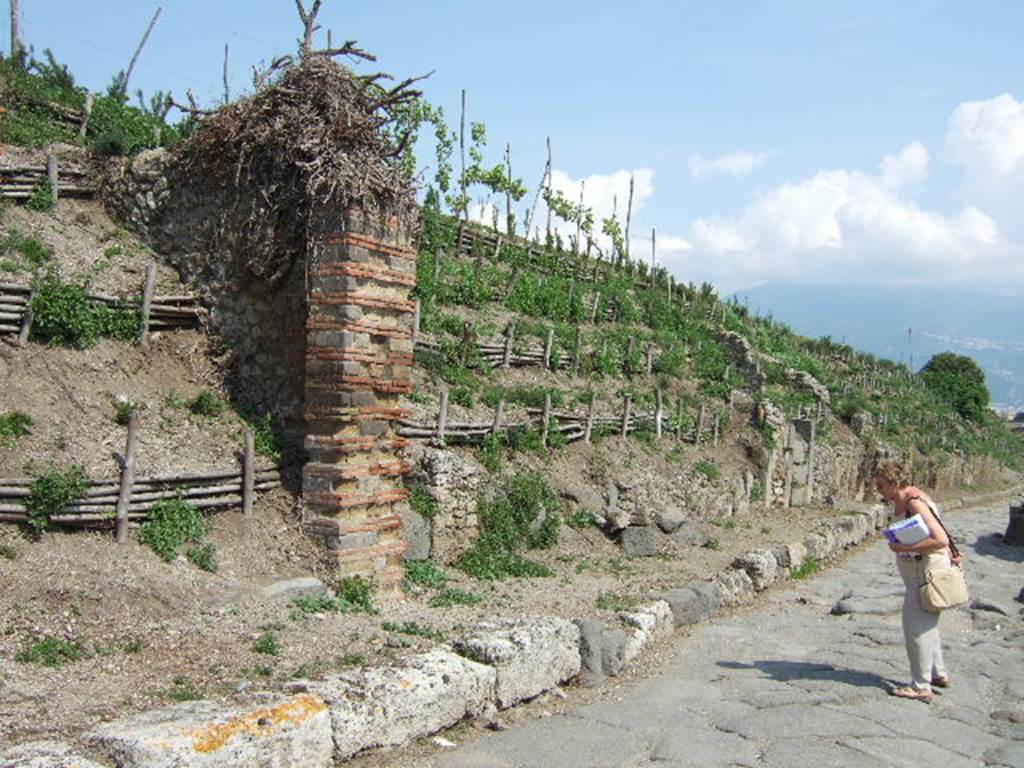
[(893, 473)]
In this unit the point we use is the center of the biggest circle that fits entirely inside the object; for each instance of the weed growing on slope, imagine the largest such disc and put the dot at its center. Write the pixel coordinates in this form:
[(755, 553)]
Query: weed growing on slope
[(52, 652), (809, 567), (425, 573), (51, 492), (171, 524), (267, 644), (453, 596), (355, 595), (13, 425)]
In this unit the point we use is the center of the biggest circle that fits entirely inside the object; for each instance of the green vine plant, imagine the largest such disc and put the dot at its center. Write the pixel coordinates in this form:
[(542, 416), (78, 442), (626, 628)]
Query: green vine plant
[(571, 213)]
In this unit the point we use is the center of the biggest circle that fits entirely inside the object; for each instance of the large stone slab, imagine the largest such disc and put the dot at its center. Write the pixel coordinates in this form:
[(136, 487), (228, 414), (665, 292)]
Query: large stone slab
[(692, 603), (737, 587), (44, 754), (760, 565), (290, 731), (639, 541), (382, 706), (289, 589), (529, 655)]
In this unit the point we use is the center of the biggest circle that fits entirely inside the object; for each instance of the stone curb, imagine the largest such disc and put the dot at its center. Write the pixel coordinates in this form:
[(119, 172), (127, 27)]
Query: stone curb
[(496, 665)]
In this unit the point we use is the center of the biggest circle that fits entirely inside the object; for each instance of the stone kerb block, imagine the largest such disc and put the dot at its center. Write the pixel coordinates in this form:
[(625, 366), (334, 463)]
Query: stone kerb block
[(646, 624), (820, 545), (292, 731), (737, 587), (389, 706), (760, 565), (692, 603), (792, 555), (44, 754), (529, 655)]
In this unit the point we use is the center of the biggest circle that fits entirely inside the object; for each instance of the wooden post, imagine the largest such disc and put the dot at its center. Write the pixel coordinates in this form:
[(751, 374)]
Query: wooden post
[(671, 283), (497, 250), (499, 415), (26, 323), (577, 352), (679, 420), (89, 98), (138, 50), (717, 420), (545, 419), (127, 480), (629, 212), (442, 418), (659, 411), (597, 303), (416, 322), (53, 176), (700, 424), (588, 430), (650, 358), (548, 343), (627, 402), (509, 222), (227, 90), (462, 159), (147, 300), (509, 339), (626, 364), (547, 203), (248, 472), (653, 242), (467, 343)]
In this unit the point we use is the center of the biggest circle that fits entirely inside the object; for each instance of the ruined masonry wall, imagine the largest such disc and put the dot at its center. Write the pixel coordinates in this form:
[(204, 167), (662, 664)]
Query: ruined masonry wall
[(359, 353)]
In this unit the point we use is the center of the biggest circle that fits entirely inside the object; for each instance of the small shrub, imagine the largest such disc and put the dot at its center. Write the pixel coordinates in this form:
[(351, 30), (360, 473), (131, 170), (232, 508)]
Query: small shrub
[(52, 652), (206, 403), (8, 552), (581, 518), (13, 425), (350, 660), (64, 314), (182, 690), (267, 441), (171, 523), (425, 573), (713, 544), (757, 490), (809, 567), (204, 557), (305, 606), (707, 469), (491, 565), (412, 628), (267, 644), (422, 502), (41, 198), (490, 452), (355, 595), (51, 492), (123, 410), (612, 601), (453, 596), (725, 522)]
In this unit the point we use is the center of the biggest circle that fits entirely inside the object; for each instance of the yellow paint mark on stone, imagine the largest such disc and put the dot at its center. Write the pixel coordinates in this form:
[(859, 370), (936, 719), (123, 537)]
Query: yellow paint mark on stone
[(258, 723)]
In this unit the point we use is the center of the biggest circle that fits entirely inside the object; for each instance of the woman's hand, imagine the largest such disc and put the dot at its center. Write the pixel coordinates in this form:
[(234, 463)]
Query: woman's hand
[(895, 546)]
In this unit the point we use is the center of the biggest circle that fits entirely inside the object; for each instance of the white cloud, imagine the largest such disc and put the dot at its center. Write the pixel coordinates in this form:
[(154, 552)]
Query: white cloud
[(844, 225), (741, 163), (988, 136)]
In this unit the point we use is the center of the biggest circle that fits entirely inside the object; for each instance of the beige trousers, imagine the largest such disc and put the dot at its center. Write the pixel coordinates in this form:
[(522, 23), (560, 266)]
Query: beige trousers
[(920, 627)]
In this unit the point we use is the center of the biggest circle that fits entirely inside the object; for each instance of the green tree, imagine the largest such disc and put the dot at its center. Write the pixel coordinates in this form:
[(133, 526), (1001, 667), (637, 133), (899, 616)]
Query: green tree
[(959, 381)]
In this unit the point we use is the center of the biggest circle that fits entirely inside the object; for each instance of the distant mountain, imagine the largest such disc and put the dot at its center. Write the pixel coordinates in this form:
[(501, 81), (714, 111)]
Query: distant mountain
[(988, 328)]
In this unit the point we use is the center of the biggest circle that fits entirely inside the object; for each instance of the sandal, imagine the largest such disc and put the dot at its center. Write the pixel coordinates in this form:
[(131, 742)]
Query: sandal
[(908, 692), (940, 682)]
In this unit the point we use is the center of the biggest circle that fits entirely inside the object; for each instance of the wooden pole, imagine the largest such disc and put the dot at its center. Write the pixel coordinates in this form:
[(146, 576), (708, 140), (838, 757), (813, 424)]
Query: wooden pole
[(227, 91), (509, 340), (548, 343), (442, 418), (16, 50), (53, 175), (545, 419), (577, 351), (248, 470), (437, 261), (629, 212), (649, 364), (717, 421), (499, 415), (597, 303), (679, 420), (659, 412), (548, 206), (127, 479), (89, 98), (463, 201), (627, 401), (653, 251), (588, 431), (510, 227), (138, 50), (626, 364), (579, 221), (26, 323), (700, 424), (147, 300)]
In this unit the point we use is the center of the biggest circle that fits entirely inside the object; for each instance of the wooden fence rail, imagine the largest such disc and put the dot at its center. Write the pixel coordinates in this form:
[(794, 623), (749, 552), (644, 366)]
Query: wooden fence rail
[(20, 182), (166, 313)]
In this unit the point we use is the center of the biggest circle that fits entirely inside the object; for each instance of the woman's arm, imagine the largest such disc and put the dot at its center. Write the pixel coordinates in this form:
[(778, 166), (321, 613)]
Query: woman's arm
[(936, 540)]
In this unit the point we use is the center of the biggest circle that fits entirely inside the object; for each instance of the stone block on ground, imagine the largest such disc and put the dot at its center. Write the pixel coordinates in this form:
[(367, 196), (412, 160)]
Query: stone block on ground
[(529, 655), (669, 520), (592, 668), (1014, 535), (646, 624), (290, 731), (388, 706), (820, 545), (289, 589), (639, 541), (790, 555), (44, 754), (691, 534), (760, 565), (613, 649), (417, 535), (692, 603), (737, 587)]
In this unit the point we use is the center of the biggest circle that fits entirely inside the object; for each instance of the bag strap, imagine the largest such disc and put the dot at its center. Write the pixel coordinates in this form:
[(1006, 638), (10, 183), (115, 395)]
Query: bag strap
[(952, 545)]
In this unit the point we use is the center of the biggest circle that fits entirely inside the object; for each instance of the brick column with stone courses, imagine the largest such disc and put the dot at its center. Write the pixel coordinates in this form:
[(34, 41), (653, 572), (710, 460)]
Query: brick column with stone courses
[(359, 356)]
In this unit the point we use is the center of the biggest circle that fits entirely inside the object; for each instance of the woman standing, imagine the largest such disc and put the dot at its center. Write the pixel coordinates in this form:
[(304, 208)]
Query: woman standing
[(920, 627)]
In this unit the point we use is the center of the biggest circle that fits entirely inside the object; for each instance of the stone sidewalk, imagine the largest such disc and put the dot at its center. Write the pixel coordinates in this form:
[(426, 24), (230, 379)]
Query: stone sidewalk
[(802, 679)]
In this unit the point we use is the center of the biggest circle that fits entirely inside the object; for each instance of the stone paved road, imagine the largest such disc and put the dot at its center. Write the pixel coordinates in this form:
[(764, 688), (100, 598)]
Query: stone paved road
[(791, 684)]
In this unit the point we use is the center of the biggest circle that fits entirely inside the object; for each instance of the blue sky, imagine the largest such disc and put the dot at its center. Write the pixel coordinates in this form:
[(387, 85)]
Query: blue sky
[(758, 132)]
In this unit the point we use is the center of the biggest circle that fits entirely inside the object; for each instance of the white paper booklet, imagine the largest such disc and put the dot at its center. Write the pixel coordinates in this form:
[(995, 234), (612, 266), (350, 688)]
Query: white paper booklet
[(909, 531)]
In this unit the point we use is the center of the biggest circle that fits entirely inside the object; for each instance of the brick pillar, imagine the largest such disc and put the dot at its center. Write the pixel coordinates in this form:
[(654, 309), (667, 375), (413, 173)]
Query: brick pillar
[(358, 359)]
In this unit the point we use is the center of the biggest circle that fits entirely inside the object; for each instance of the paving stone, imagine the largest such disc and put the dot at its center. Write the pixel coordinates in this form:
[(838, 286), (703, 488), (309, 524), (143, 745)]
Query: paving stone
[(289, 589), (691, 534), (639, 541), (592, 669)]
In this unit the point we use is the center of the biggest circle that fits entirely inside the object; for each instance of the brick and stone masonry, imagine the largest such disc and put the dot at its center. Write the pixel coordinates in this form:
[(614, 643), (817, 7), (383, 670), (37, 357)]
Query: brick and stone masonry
[(359, 353)]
